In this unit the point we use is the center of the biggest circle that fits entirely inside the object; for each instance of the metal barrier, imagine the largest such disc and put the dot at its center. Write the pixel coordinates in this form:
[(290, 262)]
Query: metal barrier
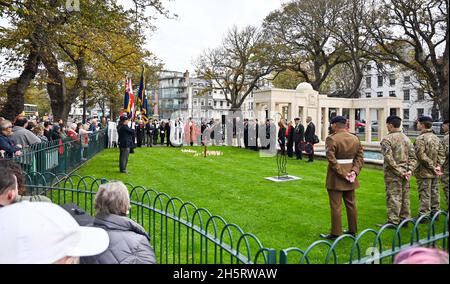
[(375, 247), (182, 233), (61, 156)]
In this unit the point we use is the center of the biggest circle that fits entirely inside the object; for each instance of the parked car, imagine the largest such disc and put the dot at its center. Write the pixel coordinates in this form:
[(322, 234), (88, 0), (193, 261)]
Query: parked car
[(375, 126), (437, 128), (360, 126)]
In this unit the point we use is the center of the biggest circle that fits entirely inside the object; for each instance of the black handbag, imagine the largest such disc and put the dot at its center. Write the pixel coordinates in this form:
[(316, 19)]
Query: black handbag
[(316, 139)]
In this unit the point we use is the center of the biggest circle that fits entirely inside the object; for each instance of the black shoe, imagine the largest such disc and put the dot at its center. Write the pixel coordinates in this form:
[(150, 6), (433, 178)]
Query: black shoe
[(124, 172), (349, 233), (329, 236)]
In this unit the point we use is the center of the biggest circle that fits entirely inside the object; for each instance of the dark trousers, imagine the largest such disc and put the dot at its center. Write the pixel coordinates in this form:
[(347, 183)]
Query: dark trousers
[(298, 151), (336, 212), (168, 139), (123, 160), (282, 147), (311, 156), (290, 148), (162, 138)]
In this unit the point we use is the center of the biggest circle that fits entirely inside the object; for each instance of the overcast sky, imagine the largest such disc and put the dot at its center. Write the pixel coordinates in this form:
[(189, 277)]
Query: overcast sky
[(202, 24)]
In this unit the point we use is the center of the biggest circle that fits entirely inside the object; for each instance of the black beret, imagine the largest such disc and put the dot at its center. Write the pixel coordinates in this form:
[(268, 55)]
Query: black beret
[(393, 117), (297, 118), (445, 121), (123, 118), (425, 119), (338, 119)]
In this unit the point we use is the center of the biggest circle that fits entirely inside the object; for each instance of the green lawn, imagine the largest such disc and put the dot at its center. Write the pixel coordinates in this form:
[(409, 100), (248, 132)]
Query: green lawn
[(281, 215)]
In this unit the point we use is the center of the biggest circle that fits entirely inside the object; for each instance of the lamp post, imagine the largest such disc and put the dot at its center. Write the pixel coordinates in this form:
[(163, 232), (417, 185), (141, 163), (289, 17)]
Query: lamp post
[(84, 85)]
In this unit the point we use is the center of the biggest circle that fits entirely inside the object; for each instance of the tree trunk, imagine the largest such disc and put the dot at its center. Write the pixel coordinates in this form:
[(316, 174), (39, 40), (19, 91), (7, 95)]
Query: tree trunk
[(16, 90)]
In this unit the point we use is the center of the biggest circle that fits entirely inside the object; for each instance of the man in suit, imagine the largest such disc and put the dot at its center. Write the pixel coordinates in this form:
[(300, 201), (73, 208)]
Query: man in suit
[(299, 138), (345, 161), (126, 135), (309, 137)]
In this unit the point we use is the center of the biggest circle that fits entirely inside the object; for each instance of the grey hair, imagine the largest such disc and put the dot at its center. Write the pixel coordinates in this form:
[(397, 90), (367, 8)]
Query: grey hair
[(112, 198), (5, 124)]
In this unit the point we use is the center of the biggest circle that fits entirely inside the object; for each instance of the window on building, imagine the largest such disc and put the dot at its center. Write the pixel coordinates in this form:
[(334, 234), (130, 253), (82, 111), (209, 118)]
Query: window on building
[(420, 95), (380, 94), (210, 103), (380, 81), (368, 67), (406, 95), (392, 81), (221, 92), (195, 102), (221, 103), (368, 82), (392, 94), (203, 102), (406, 114), (228, 104), (368, 95), (215, 103), (420, 112), (195, 92), (406, 79)]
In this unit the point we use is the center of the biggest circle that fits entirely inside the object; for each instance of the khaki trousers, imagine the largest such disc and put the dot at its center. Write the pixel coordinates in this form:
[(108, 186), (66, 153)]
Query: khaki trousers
[(336, 215)]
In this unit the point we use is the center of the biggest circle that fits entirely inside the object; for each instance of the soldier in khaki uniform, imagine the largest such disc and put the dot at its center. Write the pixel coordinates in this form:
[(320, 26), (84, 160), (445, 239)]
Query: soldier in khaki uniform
[(399, 164), (445, 162), (345, 161), (429, 152)]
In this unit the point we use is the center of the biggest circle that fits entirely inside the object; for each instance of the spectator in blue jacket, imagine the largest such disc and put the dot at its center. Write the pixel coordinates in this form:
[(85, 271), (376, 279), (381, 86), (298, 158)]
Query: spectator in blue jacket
[(6, 144)]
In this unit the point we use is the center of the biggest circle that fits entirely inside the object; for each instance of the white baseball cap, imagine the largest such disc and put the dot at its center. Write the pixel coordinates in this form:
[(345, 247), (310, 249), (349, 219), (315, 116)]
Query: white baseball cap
[(43, 233)]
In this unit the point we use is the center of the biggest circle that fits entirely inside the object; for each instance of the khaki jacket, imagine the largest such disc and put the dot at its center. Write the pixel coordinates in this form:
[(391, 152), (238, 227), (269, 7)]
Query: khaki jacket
[(339, 147)]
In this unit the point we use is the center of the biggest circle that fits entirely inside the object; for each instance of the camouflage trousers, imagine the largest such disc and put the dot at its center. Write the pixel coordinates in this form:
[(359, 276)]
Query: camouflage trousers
[(445, 187), (397, 199), (428, 195)]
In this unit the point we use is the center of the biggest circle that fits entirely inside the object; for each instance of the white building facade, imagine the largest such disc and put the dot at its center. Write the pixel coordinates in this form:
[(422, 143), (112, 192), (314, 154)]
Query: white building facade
[(391, 81)]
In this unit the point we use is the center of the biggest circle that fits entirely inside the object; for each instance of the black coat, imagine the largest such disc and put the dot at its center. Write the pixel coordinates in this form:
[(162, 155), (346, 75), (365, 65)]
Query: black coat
[(128, 242), (310, 133), (126, 135), (299, 133)]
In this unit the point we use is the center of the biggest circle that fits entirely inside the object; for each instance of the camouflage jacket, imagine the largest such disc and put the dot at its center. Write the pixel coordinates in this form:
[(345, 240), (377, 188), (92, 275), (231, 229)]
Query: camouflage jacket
[(398, 152), (445, 146), (429, 152)]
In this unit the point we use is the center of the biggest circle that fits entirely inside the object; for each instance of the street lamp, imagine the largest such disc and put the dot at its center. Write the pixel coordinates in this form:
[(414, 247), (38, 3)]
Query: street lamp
[(84, 83)]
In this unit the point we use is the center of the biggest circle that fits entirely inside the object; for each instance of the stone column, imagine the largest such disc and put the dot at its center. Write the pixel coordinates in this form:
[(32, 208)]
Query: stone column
[(352, 120), (318, 124), (339, 111), (326, 120), (368, 127), (382, 115)]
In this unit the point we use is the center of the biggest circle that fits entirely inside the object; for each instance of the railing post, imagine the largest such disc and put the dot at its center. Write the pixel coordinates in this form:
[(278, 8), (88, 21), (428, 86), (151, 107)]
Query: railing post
[(272, 257), (283, 257)]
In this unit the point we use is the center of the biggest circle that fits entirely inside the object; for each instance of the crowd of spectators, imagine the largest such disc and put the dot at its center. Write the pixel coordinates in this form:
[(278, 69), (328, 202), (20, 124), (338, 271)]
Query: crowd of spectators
[(23, 132)]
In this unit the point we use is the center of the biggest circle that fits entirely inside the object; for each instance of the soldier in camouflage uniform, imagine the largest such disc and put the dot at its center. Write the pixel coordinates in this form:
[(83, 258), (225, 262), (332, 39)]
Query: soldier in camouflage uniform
[(445, 162), (430, 153), (399, 164)]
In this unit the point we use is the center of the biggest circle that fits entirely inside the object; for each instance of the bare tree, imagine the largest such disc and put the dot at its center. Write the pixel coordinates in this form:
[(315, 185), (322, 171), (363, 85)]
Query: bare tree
[(302, 32), (414, 34), (244, 58)]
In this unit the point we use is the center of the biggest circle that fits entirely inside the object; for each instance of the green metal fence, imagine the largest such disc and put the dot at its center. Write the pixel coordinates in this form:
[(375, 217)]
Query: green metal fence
[(61, 156), (182, 233), (375, 247)]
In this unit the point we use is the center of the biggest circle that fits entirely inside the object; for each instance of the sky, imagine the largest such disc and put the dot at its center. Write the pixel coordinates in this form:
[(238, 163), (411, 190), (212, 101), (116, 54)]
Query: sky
[(202, 24)]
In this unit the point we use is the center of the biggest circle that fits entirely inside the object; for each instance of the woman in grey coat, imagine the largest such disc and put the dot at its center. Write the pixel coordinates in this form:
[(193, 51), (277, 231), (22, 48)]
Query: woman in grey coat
[(129, 243)]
